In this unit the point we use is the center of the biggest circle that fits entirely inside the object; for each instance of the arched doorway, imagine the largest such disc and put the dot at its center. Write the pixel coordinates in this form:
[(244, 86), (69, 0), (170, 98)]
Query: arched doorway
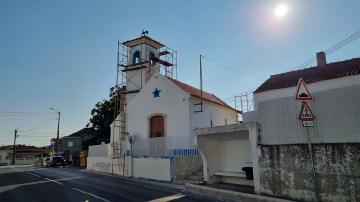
[(157, 126)]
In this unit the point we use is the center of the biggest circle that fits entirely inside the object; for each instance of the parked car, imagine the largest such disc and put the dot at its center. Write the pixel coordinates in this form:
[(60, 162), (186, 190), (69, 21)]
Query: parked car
[(55, 161)]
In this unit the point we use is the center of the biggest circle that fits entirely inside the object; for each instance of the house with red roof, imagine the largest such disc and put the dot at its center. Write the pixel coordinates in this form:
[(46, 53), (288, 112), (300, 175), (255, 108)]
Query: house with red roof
[(24, 154), (316, 160)]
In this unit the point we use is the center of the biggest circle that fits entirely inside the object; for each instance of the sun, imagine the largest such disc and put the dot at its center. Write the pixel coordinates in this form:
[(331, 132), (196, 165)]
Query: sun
[(281, 10)]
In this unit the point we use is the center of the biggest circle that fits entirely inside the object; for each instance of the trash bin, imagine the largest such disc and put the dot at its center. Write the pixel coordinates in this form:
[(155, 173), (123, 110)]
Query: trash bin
[(249, 172)]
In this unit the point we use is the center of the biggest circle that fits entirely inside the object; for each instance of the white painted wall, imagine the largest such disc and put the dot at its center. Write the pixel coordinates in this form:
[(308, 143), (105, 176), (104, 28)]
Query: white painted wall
[(253, 138), (173, 103), (335, 106), (3, 160), (101, 150), (217, 113), (224, 152), (100, 164), (234, 154), (151, 168)]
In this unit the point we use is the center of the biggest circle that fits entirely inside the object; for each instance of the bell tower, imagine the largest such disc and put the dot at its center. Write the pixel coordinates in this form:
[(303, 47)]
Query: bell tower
[(140, 59), (143, 61)]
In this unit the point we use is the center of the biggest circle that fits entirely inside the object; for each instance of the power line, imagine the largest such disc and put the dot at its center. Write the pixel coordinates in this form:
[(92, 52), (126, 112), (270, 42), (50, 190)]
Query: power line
[(26, 136), (10, 135), (30, 113), (344, 42), (333, 48), (229, 68), (37, 127)]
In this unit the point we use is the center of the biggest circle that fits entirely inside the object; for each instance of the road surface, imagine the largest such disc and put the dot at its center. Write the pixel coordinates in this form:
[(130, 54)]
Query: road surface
[(68, 184)]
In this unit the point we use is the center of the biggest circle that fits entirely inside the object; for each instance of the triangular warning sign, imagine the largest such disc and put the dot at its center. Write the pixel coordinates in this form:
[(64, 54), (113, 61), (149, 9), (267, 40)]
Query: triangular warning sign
[(302, 92), (306, 113)]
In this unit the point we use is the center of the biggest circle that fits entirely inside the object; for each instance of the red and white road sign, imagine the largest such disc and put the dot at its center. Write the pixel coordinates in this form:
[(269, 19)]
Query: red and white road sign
[(306, 113), (302, 92)]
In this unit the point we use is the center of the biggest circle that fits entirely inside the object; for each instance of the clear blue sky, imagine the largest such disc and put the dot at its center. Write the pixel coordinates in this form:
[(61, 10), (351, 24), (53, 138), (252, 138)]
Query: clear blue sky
[(62, 53)]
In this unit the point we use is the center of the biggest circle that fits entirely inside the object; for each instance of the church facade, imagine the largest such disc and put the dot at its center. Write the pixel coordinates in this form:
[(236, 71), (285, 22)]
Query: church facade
[(160, 117)]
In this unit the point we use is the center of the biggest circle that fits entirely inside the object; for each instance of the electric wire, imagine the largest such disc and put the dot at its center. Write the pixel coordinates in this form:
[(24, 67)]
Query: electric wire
[(353, 37), (229, 68)]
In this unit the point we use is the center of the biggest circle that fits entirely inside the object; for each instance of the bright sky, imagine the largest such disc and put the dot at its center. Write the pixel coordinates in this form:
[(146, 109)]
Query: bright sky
[(62, 53)]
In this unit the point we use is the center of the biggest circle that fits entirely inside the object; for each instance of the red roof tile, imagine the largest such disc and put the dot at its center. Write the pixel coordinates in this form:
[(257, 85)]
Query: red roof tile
[(197, 93), (24, 149), (311, 75)]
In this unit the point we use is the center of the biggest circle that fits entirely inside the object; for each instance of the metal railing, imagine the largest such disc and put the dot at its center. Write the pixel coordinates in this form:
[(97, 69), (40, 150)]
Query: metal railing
[(164, 146)]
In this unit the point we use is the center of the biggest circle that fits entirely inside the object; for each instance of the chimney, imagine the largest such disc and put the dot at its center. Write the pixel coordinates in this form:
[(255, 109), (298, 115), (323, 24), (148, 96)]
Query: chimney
[(321, 59)]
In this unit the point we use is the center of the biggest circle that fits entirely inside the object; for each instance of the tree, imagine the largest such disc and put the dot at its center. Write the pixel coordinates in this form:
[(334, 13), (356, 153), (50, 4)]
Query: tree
[(102, 116)]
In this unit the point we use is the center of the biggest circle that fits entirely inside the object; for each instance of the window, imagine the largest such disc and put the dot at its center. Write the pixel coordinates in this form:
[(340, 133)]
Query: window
[(157, 126), (152, 59), (70, 144), (136, 57)]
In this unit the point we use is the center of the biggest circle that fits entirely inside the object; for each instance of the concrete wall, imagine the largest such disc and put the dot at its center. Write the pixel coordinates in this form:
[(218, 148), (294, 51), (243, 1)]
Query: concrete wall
[(101, 150), (100, 164), (151, 168), (285, 171), (224, 152), (3, 160), (284, 165), (336, 110)]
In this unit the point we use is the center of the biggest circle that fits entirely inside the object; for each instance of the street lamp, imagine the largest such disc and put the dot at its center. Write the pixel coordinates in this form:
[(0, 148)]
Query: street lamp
[(57, 133)]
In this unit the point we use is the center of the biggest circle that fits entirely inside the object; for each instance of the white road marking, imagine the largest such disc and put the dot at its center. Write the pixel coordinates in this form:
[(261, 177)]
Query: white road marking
[(54, 181), (13, 186), (93, 195), (168, 198), (32, 174)]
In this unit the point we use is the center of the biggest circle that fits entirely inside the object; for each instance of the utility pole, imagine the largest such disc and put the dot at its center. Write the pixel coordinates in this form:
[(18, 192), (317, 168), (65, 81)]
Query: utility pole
[(57, 133), (201, 89), (13, 155), (201, 86)]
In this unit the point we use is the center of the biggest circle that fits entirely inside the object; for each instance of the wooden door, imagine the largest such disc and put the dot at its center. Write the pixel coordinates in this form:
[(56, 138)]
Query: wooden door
[(157, 126)]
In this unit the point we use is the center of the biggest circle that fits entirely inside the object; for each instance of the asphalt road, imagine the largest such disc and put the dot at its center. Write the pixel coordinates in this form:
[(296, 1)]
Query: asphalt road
[(67, 184)]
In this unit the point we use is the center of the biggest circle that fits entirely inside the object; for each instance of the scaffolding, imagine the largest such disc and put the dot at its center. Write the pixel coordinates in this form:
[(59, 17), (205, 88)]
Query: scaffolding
[(166, 61), (243, 103)]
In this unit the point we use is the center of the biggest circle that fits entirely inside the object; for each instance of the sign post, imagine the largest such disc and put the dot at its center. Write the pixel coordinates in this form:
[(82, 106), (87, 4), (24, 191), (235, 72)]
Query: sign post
[(307, 118)]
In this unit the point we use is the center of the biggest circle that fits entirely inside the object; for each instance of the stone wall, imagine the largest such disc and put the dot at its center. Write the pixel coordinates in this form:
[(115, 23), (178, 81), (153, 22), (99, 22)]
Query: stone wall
[(184, 166), (285, 171)]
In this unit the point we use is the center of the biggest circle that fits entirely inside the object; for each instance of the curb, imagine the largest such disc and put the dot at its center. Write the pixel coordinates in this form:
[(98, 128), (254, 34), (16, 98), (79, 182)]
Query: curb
[(244, 197)]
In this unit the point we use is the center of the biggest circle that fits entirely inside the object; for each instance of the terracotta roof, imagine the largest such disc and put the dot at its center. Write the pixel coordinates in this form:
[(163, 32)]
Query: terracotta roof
[(24, 149), (197, 93), (311, 75)]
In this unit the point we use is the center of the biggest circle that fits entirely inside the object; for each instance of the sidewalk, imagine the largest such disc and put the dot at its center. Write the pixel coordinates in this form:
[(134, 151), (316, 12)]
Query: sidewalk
[(234, 195), (202, 190)]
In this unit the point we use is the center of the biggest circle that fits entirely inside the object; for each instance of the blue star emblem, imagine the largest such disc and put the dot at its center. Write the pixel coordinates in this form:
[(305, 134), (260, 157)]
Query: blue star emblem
[(156, 93)]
